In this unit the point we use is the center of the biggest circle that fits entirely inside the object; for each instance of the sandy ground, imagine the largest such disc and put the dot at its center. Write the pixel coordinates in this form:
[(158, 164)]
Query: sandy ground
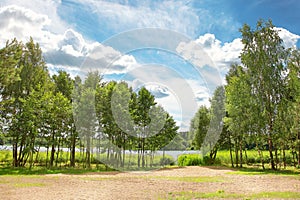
[(140, 185)]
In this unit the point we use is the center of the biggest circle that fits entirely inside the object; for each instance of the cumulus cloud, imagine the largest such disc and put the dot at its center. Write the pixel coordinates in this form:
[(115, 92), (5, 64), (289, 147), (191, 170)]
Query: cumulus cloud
[(68, 48), (194, 53), (45, 7), (208, 50), (289, 39), (221, 54), (21, 23)]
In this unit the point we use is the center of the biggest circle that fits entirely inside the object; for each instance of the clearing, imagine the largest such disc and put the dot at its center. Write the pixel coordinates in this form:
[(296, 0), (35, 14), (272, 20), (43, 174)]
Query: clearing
[(178, 183)]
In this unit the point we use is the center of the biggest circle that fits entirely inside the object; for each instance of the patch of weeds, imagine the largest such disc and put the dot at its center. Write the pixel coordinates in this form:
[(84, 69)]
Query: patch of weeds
[(23, 185), (255, 171), (282, 195), (221, 194), (245, 173), (4, 182), (187, 195)]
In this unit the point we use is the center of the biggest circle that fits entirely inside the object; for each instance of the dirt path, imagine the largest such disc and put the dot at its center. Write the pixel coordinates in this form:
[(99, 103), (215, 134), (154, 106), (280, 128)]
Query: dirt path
[(142, 185)]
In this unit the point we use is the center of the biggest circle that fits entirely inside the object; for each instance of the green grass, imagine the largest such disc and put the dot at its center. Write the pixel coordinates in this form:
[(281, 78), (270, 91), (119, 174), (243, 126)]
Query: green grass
[(221, 194), (63, 163), (131, 164), (187, 195), (282, 195), (43, 170), (252, 156), (256, 171), (24, 185)]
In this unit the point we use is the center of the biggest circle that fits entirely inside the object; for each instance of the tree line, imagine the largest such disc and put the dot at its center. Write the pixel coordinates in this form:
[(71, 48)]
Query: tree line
[(262, 102), (56, 112)]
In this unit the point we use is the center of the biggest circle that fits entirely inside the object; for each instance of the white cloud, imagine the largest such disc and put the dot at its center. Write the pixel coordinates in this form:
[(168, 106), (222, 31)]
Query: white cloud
[(174, 15), (211, 57), (194, 53), (68, 48), (21, 23), (221, 54), (289, 39), (73, 43), (73, 71), (45, 7)]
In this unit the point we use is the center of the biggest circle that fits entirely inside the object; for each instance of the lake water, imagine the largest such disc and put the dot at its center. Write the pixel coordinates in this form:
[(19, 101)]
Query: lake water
[(174, 154)]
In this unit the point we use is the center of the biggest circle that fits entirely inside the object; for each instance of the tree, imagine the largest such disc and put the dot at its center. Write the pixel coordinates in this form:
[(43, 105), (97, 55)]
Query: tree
[(105, 116), (64, 84), (240, 108), (85, 111), (292, 118), (32, 75), (144, 104), (10, 57), (56, 120), (199, 126), (264, 57), (212, 140)]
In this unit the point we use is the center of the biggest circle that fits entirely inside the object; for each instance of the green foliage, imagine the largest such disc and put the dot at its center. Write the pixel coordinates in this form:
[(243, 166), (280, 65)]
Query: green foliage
[(189, 160), (261, 99), (10, 56), (199, 126), (166, 161)]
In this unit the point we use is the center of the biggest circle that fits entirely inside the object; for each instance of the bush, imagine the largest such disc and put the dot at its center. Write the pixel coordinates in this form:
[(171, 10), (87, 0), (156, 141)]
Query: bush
[(209, 161), (189, 160), (166, 161), (251, 160)]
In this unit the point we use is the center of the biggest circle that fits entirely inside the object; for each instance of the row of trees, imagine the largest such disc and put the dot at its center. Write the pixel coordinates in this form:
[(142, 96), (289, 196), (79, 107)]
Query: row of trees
[(262, 100), (57, 112)]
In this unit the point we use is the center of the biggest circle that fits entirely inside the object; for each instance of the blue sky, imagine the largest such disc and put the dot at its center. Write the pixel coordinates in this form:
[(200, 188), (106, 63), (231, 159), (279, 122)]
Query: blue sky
[(179, 50), (221, 17)]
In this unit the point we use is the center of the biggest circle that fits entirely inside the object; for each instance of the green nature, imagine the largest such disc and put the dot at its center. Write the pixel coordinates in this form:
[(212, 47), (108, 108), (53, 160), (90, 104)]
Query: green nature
[(62, 123)]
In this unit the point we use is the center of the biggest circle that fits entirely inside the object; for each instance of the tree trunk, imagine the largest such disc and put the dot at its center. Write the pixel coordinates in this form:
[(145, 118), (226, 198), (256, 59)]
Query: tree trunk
[(88, 153), (261, 159), (284, 158), (246, 156), (47, 156), (57, 152), (236, 153), (241, 153), (73, 148), (270, 142), (124, 149), (299, 149), (139, 153), (276, 159), (15, 155), (52, 150), (230, 151), (143, 152)]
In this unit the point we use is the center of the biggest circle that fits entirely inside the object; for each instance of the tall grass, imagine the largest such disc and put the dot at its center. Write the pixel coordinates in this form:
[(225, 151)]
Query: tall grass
[(97, 161), (250, 157)]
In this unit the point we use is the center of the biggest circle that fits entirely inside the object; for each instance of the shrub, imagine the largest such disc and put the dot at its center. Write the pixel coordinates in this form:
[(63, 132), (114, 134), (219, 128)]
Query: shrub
[(166, 161), (209, 161), (189, 160)]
